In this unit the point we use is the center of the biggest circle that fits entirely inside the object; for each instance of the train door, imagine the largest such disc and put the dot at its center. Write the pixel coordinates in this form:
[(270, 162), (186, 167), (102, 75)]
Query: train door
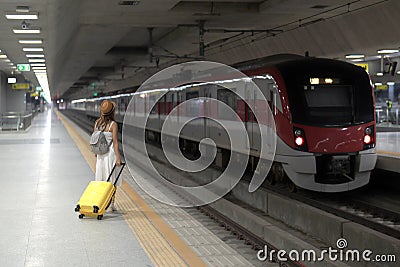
[(251, 123), (207, 112)]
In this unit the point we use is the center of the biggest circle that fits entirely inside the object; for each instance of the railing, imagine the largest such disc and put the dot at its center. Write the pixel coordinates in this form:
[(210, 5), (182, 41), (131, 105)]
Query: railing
[(384, 115), (14, 121)]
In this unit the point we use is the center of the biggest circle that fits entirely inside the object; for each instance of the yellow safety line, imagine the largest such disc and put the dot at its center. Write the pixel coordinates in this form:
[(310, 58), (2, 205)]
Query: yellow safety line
[(388, 152), (160, 242)]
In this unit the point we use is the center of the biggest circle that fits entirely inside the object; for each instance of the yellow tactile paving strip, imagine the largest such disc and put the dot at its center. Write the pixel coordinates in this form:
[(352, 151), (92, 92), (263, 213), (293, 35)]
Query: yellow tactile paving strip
[(388, 152), (160, 242)]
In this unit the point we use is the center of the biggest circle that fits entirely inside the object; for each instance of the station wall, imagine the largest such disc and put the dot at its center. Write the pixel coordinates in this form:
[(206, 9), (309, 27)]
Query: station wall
[(11, 100)]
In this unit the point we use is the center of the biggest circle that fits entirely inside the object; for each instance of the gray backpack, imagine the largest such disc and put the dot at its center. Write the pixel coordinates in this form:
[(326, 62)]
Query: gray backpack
[(98, 142)]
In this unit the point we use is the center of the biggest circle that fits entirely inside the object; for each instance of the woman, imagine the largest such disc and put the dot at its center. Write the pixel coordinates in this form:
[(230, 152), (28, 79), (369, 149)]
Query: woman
[(106, 162)]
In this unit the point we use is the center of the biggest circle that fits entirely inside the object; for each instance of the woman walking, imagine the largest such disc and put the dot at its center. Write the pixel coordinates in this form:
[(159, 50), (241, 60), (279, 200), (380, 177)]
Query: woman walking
[(106, 162)]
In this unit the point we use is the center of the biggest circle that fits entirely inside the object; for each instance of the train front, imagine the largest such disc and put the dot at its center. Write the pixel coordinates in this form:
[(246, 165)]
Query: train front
[(328, 126)]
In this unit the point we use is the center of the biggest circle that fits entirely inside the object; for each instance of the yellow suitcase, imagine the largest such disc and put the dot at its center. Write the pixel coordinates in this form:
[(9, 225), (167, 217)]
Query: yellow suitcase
[(97, 197)]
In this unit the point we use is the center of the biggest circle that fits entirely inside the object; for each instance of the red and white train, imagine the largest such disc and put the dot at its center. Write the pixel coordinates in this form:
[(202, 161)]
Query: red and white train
[(324, 116)]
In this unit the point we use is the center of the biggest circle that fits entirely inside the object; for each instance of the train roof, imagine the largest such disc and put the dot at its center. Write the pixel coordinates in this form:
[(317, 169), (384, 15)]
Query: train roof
[(284, 60)]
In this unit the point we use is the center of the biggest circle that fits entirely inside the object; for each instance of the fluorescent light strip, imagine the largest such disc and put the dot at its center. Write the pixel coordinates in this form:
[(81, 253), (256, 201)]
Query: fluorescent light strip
[(387, 51), (38, 68), (28, 31), (34, 55), (28, 41), (38, 65), (355, 56), (24, 9), (3, 56), (14, 15), (358, 60), (32, 49), (36, 60)]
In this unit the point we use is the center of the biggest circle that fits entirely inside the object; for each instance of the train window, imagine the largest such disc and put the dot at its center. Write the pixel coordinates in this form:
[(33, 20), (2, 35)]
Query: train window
[(193, 94), (323, 92), (192, 108), (328, 96), (228, 97)]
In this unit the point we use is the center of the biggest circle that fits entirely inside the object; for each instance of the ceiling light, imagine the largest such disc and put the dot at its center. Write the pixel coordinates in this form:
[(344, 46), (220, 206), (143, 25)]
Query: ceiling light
[(15, 15), (378, 84), (24, 9), (388, 51), (398, 72), (390, 83), (358, 60), (38, 65), (354, 56), (32, 49), (38, 68), (29, 41), (379, 74), (3, 56), (34, 55), (27, 31), (36, 60), (6, 60)]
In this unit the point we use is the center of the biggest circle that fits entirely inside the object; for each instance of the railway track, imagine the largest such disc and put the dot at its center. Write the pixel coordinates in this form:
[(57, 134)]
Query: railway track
[(372, 216)]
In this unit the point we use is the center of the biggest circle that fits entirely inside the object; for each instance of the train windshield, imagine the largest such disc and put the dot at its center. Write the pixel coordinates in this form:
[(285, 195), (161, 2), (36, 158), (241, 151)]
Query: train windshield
[(328, 94)]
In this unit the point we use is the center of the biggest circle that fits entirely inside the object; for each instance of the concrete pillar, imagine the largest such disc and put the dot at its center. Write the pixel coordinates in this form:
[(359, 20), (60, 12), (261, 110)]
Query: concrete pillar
[(3, 92), (391, 91)]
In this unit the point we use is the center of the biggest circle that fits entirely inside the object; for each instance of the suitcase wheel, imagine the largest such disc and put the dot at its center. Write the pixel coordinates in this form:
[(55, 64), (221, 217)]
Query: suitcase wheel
[(99, 217), (77, 208), (96, 209), (81, 216)]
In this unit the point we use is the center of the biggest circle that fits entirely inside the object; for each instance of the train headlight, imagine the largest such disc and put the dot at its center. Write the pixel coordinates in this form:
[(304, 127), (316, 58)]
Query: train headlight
[(300, 139), (368, 139)]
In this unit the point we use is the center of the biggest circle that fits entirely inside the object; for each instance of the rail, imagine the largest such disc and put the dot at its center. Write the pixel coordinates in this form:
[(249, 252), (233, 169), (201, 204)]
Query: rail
[(14, 121)]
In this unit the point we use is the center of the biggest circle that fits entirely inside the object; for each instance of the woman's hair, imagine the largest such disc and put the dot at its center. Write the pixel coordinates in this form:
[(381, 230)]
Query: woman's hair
[(102, 122)]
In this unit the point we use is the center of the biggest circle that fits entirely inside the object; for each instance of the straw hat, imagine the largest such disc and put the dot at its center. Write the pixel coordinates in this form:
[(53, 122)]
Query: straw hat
[(107, 107)]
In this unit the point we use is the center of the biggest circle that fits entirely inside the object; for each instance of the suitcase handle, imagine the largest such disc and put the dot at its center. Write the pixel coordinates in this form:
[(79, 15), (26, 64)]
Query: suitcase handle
[(120, 171)]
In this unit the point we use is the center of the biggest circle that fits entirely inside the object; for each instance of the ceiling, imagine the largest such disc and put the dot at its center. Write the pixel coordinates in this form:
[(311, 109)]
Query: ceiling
[(105, 45)]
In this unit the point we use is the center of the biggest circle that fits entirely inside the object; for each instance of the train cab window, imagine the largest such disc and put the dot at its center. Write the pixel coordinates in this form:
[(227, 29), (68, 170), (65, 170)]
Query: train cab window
[(327, 93), (229, 98), (322, 101)]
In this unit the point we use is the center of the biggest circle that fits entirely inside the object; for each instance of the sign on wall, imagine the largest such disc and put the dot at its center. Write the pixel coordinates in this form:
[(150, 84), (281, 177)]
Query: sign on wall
[(20, 86)]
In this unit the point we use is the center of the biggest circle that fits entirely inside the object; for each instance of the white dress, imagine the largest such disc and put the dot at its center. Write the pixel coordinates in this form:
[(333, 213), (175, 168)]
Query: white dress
[(106, 162)]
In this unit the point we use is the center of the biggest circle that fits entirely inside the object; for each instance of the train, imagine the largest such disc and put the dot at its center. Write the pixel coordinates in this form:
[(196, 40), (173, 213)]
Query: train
[(324, 113)]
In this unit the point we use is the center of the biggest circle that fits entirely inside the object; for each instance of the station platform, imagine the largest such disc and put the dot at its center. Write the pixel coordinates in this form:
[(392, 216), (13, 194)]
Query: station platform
[(44, 172), (388, 149)]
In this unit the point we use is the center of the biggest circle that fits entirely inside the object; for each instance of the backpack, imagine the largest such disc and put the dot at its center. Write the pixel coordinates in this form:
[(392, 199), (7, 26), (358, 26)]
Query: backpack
[(98, 142)]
